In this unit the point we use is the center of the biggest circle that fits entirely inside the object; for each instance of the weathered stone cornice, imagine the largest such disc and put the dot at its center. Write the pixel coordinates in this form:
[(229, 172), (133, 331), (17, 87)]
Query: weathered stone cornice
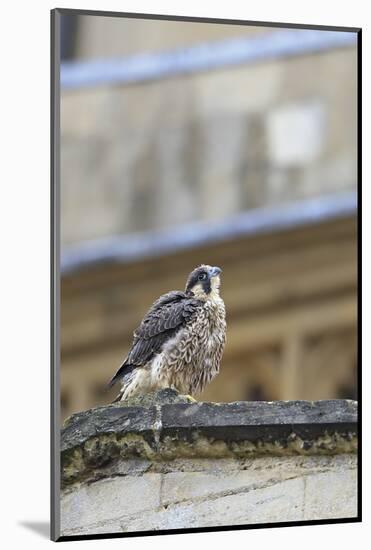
[(165, 426)]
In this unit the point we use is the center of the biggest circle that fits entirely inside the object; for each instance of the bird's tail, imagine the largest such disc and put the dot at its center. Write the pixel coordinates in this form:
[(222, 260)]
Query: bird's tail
[(118, 397), (122, 371)]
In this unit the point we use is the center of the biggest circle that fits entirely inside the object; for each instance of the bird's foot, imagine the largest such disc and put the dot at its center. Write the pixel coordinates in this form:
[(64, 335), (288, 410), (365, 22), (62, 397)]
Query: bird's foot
[(192, 399)]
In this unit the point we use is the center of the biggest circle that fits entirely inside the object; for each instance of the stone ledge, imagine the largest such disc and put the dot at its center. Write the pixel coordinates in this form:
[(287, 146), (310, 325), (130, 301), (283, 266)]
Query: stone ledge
[(165, 426)]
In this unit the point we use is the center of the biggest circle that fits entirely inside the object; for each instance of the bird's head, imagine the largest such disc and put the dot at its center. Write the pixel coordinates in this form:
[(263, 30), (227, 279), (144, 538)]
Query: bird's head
[(204, 282)]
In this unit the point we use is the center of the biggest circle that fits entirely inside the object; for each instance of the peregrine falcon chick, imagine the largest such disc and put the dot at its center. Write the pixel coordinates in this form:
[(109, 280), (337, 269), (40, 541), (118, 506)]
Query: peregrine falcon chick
[(180, 341)]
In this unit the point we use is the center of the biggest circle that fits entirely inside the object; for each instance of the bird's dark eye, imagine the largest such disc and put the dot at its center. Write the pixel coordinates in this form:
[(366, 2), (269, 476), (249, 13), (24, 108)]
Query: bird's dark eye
[(202, 276)]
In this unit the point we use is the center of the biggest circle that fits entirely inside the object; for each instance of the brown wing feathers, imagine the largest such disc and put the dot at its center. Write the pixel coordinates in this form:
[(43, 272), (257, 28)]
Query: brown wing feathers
[(166, 316)]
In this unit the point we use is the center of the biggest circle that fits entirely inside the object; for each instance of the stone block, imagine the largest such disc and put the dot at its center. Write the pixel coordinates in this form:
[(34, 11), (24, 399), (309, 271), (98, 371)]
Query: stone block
[(331, 494), (189, 486), (268, 504), (108, 499)]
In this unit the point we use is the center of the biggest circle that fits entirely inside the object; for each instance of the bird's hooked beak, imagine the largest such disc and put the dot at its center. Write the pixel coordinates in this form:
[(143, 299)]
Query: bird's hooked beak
[(215, 271)]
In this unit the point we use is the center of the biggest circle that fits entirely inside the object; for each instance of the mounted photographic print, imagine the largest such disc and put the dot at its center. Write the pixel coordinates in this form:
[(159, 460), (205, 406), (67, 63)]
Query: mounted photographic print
[(205, 178)]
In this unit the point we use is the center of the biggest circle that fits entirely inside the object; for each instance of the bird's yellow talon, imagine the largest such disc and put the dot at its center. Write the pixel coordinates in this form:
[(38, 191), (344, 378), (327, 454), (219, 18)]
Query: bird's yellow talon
[(191, 398)]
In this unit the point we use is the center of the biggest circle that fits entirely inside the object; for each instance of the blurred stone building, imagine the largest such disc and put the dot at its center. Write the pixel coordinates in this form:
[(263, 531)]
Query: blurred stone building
[(250, 166)]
